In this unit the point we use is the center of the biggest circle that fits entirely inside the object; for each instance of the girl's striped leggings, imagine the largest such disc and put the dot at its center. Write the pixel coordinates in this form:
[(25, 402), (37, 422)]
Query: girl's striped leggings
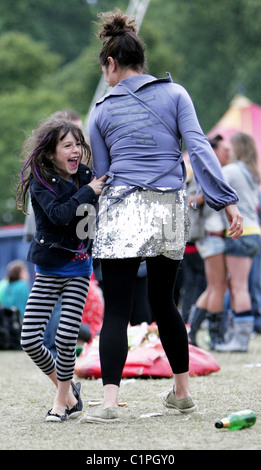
[(43, 297)]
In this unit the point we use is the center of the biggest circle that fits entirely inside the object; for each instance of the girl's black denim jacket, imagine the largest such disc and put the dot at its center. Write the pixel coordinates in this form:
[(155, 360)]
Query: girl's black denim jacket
[(56, 241)]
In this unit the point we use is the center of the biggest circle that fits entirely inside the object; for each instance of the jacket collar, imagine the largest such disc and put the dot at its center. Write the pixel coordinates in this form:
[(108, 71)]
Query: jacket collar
[(135, 83), (83, 170)]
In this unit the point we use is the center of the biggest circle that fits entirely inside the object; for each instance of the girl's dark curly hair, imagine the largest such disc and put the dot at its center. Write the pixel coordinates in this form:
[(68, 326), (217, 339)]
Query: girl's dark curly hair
[(121, 41), (38, 148)]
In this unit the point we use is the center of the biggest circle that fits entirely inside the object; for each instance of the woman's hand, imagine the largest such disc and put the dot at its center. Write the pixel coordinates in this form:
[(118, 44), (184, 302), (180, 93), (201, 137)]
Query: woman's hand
[(97, 184), (235, 220)]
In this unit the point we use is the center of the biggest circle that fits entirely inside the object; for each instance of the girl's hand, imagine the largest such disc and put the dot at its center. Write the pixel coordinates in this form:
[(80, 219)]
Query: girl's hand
[(97, 184), (235, 220)]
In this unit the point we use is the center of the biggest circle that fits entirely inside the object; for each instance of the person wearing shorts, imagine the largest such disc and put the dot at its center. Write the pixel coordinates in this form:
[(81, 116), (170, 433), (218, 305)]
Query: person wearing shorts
[(211, 249), (243, 176)]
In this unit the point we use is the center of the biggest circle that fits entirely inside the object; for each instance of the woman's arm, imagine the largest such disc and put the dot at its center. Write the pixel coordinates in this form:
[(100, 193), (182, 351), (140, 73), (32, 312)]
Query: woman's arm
[(205, 164), (100, 154)]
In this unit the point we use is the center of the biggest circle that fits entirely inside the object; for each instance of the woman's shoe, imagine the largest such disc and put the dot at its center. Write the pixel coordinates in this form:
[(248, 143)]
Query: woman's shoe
[(102, 415), (184, 405), (76, 410), (54, 417)]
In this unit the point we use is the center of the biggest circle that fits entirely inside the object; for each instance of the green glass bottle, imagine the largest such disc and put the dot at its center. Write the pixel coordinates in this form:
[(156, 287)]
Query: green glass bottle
[(238, 420)]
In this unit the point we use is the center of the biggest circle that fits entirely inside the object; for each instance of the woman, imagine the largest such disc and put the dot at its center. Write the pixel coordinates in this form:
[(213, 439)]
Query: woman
[(243, 176), (143, 211), (211, 249)]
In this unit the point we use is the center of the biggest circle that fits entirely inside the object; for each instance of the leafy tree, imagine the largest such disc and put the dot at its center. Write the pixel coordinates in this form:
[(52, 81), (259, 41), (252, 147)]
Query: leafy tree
[(63, 26), (211, 48), (78, 79), (160, 57), (24, 61), (19, 113), (218, 43)]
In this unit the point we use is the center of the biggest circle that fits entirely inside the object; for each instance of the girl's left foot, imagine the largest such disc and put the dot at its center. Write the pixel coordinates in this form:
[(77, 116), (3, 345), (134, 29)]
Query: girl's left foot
[(55, 417), (75, 410)]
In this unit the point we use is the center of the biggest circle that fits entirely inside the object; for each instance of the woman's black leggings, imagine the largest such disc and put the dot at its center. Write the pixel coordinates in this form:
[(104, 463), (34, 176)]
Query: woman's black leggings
[(119, 277)]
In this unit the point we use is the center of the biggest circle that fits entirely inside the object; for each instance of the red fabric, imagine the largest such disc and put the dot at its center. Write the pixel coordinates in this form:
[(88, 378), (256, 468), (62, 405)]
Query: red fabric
[(148, 359), (190, 249), (94, 308)]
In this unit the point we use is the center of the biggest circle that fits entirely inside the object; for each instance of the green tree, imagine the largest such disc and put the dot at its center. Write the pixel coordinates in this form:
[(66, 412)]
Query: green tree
[(78, 79), (218, 43), (19, 114), (211, 48), (23, 65), (24, 61), (64, 26)]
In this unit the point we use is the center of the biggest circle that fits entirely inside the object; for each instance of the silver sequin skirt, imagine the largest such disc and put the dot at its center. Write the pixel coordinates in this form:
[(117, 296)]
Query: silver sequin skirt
[(143, 224)]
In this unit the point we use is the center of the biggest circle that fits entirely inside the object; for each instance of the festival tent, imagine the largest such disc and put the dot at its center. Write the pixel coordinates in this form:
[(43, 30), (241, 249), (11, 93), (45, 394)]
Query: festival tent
[(242, 115)]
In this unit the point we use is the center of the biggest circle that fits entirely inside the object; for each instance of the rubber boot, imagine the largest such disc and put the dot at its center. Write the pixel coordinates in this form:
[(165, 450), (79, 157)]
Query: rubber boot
[(216, 328), (229, 326), (196, 317), (243, 328)]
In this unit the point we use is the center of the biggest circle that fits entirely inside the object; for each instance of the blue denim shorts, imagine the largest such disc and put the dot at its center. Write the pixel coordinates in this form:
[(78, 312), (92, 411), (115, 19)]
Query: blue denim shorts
[(247, 245), (210, 246)]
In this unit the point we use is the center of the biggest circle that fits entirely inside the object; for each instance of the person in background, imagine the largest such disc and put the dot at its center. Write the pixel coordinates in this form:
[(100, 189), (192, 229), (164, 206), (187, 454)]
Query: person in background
[(243, 175), (136, 135), (70, 115), (192, 266), (211, 249), (3, 284), (17, 289), (255, 282)]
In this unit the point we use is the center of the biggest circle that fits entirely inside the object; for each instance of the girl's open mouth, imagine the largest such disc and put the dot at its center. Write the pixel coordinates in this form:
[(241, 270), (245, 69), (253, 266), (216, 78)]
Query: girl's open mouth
[(73, 163)]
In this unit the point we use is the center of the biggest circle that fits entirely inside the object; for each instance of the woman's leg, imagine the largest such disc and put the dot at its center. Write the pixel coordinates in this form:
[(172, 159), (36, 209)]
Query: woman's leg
[(215, 270), (243, 319), (162, 274), (239, 269), (119, 277), (210, 302)]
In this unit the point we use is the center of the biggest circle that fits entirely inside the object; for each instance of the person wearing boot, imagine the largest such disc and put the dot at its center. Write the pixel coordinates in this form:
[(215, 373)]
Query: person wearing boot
[(211, 248), (243, 176)]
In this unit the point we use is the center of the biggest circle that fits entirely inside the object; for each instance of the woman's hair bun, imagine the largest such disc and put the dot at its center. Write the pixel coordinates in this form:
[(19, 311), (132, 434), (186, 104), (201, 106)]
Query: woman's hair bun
[(115, 24)]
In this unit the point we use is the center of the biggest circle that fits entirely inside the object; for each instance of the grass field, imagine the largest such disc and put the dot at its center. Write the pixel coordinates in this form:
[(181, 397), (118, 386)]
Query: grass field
[(26, 395)]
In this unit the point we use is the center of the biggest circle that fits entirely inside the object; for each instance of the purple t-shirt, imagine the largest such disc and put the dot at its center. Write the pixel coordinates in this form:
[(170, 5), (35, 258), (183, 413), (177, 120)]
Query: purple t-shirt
[(132, 145)]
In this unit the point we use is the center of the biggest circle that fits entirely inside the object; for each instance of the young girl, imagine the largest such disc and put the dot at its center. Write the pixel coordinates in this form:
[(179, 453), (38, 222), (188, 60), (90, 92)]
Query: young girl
[(58, 184)]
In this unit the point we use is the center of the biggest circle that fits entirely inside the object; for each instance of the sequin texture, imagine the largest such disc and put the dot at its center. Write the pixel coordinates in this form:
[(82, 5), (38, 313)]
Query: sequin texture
[(144, 224)]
